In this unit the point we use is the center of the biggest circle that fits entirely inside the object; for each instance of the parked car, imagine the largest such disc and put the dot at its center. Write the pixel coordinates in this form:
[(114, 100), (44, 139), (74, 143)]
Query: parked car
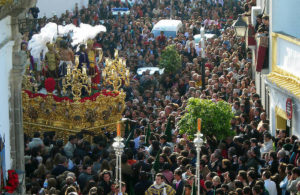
[(151, 69), (169, 27)]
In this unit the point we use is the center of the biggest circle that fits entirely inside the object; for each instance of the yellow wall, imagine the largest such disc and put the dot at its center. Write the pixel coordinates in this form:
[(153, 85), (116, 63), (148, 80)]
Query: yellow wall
[(281, 118)]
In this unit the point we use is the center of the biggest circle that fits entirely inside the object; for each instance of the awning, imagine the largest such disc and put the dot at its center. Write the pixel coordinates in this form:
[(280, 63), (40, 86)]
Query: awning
[(287, 82)]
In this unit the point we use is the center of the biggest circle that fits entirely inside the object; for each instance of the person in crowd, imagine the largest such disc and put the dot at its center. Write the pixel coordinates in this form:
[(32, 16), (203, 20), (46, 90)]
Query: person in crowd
[(160, 187), (293, 181), (36, 141), (244, 164)]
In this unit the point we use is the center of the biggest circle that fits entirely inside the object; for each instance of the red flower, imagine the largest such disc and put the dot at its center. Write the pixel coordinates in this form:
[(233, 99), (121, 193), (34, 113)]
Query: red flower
[(13, 181), (50, 84)]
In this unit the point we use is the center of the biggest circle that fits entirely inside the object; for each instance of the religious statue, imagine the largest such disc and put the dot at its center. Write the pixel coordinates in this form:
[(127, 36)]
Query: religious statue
[(93, 69), (66, 57), (51, 61), (83, 57)]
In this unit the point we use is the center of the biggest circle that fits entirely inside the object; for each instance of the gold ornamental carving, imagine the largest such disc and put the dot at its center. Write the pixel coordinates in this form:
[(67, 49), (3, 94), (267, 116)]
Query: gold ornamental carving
[(5, 2)]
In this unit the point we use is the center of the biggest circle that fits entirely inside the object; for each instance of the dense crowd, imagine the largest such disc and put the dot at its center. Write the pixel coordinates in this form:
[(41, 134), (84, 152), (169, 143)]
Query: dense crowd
[(252, 162)]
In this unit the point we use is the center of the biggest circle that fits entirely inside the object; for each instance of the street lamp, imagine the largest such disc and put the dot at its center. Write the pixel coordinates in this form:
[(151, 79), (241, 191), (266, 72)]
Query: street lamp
[(118, 147), (198, 141), (240, 27)]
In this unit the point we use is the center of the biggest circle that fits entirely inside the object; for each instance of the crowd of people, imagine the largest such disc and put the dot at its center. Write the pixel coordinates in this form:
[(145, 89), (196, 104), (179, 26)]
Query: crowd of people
[(251, 162)]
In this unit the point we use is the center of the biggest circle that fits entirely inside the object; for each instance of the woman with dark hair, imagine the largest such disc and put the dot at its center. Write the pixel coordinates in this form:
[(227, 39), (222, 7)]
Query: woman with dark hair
[(273, 162), (105, 181), (155, 148)]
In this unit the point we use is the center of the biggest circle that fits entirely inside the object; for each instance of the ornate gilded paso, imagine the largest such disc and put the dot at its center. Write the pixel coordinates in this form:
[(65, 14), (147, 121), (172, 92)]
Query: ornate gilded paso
[(97, 113)]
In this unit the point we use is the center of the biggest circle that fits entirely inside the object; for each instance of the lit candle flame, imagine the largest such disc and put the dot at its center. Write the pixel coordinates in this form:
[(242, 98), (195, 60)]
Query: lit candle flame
[(199, 124), (118, 129)]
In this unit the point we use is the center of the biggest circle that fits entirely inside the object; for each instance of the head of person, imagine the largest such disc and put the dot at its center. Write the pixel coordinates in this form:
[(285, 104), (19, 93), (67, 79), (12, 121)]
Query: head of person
[(159, 178), (82, 47), (106, 176), (266, 175), (178, 174), (296, 172), (72, 139)]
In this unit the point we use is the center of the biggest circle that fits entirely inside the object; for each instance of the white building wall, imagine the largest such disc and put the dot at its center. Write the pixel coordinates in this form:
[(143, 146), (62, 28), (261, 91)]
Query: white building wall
[(286, 17), (288, 56), (48, 8), (6, 66)]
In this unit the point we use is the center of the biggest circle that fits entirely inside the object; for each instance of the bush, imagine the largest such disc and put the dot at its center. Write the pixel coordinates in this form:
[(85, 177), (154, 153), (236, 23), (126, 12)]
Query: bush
[(170, 59), (215, 117)]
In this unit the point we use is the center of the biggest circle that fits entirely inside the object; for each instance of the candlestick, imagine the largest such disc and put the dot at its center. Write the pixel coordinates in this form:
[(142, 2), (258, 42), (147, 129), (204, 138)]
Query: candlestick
[(118, 129), (69, 69), (199, 124), (83, 68)]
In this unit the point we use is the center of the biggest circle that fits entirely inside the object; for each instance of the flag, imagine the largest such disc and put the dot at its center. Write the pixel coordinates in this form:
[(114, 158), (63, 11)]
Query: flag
[(168, 131), (156, 165), (194, 190), (148, 133), (131, 188), (130, 136), (262, 53)]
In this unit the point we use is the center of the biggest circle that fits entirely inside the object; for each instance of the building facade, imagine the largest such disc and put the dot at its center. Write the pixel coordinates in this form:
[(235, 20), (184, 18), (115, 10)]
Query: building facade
[(12, 62), (283, 81)]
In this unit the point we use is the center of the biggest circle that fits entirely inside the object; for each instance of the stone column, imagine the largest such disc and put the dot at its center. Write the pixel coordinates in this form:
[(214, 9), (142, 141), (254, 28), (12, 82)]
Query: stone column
[(15, 114)]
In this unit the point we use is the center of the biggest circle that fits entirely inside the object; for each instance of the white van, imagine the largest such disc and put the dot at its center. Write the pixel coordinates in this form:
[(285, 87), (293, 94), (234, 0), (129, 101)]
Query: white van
[(169, 27)]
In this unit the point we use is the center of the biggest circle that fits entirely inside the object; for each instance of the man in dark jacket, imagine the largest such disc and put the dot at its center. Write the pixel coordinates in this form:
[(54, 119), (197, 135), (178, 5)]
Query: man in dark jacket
[(85, 176), (178, 183), (61, 167)]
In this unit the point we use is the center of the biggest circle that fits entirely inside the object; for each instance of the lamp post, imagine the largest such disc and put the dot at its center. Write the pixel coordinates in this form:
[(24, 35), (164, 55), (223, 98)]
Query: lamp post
[(198, 141), (240, 27), (118, 147)]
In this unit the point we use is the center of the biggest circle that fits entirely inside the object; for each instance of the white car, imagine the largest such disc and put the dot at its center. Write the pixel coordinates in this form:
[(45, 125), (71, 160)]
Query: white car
[(169, 27), (122, 11), (151, 69)]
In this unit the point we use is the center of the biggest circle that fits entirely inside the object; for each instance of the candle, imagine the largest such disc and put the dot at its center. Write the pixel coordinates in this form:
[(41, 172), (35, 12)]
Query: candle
[(83, 68), (76, 60), (118, 129), (203, 48), (199, 124)]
